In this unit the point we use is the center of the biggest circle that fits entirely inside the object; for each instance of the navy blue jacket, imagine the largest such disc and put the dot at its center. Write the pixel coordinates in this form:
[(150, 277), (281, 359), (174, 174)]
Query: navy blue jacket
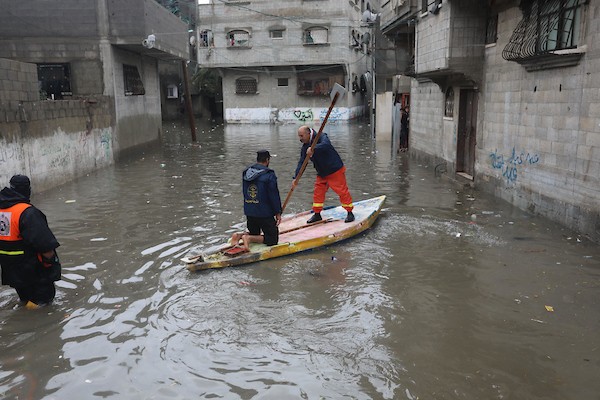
[(26, 269), (326, 159), (261, 194)]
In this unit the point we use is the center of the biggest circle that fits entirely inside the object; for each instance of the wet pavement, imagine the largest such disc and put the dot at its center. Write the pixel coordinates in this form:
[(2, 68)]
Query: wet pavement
[(453, 294)]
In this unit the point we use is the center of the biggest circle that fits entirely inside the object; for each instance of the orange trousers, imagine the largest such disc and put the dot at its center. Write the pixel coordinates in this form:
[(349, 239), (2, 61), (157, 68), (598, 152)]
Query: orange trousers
[(337, 182)]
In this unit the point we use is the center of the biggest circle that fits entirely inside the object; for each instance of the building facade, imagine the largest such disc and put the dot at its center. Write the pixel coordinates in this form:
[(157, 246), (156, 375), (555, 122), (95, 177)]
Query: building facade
[(77, 72), (279, 60), (505, 97)]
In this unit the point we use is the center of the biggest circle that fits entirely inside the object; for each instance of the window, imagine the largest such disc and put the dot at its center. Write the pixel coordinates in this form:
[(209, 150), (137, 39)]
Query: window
[(547, 26), (276, 33), (172, 92), (432, 6), (54, 80), (132, 80), (282, 81), (239, 38), (316, 35), (491, 31), (206, 38), (246, 86), (557, 22), (449, 106)]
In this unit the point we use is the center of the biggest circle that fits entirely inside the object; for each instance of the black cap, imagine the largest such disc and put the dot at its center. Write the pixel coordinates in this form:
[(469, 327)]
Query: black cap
[(21, 184), (262, 155)]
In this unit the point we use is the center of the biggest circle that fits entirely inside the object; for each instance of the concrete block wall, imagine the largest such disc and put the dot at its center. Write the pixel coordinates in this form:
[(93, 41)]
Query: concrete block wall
[(433, 45), (54, 142), (539, 145), (41, 18), (426, 112), (18, 82)]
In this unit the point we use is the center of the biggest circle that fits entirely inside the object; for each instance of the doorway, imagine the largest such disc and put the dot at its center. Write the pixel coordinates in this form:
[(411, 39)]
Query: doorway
[(467, 133)]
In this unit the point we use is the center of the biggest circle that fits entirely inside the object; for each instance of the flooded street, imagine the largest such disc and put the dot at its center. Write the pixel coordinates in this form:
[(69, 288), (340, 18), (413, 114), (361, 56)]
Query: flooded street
[(452, 294)]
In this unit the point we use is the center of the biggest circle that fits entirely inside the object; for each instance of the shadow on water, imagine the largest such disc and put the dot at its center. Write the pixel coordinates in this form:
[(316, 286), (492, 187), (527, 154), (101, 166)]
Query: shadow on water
[(444, 298)]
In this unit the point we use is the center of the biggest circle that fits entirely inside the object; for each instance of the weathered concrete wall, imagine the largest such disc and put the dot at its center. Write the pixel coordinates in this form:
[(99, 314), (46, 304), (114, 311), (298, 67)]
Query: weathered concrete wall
[(138, 118), (433, 46), (384, 108), (51, 141), (18, 82), (538, 132), (281, 103), (540, 145), (267, 54)]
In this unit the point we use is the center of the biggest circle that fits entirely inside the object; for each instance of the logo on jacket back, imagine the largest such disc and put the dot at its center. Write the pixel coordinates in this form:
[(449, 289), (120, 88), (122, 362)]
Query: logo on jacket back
[(4, 224), (252, 194)]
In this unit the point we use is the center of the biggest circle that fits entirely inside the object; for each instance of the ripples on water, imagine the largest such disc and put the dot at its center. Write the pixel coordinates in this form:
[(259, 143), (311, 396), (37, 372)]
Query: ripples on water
[(430, 303)]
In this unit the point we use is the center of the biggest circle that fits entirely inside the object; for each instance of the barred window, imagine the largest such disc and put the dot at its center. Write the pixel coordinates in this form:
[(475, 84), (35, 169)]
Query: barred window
[(246, 86), (449, 106), (316, 35), (55, 80), (559, 25), (547, 25), (491, 32), (276, 33), (133, 81), (238, 38)]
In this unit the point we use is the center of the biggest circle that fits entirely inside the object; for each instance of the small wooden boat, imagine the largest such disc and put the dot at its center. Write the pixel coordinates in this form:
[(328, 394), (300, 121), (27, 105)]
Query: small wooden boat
[(295, 235)]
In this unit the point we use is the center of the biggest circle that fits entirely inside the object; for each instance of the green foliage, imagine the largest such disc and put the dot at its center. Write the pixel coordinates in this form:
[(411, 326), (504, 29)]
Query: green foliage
[(206, 81)]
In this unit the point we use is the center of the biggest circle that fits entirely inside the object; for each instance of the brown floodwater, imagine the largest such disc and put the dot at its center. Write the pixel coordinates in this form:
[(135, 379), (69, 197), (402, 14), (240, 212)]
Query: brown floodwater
[(452, 294)]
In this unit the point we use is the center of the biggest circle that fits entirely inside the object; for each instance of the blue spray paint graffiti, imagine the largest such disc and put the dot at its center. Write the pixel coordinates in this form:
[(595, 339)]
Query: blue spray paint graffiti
[(509, 166)]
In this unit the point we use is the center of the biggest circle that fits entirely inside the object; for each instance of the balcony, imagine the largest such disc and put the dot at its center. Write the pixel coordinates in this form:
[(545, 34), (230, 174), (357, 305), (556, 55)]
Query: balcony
[(132, 21)]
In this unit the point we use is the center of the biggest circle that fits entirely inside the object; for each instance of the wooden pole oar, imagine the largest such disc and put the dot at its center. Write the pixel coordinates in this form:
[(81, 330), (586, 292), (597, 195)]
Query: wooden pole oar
[(337, 93)]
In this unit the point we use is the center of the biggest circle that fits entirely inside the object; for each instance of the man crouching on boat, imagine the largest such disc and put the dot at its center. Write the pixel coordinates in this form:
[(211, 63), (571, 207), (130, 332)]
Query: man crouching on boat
[(262, 204)]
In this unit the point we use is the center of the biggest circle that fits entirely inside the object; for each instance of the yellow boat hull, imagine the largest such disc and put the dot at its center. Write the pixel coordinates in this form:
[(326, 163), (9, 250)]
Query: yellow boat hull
[(297, 236)]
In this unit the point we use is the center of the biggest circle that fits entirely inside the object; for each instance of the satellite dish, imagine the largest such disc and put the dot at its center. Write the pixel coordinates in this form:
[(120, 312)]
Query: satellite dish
[(369, 17), (192, 40)]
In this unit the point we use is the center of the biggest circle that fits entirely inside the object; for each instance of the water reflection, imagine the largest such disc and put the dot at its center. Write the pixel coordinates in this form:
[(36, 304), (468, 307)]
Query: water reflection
[(444, 298)]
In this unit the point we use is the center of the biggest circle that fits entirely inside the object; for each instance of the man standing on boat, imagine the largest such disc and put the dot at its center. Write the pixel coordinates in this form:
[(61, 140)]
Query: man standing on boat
[(331, 172), (262, 204)]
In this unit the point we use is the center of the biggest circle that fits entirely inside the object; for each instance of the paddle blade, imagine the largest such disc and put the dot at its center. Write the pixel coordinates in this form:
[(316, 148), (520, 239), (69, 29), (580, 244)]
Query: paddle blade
[(337, 89)]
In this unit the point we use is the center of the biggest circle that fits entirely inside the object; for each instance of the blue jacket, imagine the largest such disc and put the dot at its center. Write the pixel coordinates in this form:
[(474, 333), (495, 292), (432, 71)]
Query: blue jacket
[(261, 194), (326, 159)]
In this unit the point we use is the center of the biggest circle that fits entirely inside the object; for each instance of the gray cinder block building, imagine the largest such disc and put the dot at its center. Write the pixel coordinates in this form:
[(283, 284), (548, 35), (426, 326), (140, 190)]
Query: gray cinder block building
[(505, 95), (279, 60), (79, 82)]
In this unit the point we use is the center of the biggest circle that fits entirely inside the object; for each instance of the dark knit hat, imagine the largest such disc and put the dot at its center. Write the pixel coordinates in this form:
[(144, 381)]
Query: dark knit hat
[(262, 155), (21, 184)]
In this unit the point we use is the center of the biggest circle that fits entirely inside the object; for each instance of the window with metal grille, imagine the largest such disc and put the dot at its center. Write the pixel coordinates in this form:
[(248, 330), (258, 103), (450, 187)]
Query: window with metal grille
[(132, 80), (246, 86), (238, 38), (547, 25), (55, 81), (491, 31), (557, 24), (449, 106), (316, 35), (276, 33)]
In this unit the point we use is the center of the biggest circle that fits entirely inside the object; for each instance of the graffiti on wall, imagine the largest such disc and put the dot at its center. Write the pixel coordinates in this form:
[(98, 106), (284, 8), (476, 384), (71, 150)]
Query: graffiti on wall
[(10, 153), (337, 114), (303, 115), (509, 166)]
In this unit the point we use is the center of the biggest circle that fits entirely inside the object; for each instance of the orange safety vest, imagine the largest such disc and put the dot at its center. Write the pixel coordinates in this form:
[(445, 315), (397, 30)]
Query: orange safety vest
[(10, 234)]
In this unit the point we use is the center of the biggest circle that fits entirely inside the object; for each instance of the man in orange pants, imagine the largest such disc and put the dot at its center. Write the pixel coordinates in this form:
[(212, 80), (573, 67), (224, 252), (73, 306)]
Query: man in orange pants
[(331, 172)]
